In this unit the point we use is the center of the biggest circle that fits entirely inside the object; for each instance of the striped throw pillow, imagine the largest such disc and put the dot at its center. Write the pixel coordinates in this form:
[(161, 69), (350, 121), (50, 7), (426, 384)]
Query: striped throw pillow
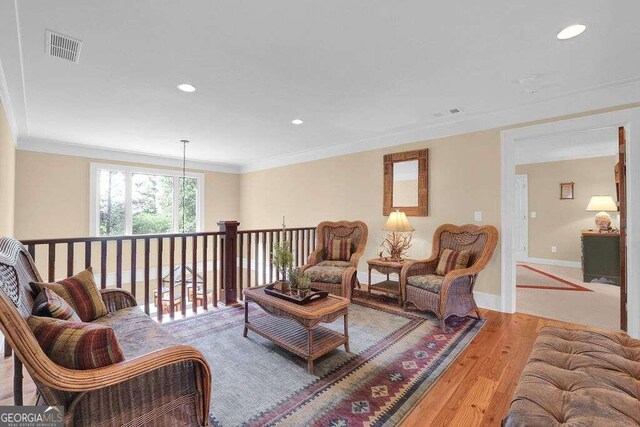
[(50, 304), (81, 292), (76, 345), (339, 250), (452, 260)]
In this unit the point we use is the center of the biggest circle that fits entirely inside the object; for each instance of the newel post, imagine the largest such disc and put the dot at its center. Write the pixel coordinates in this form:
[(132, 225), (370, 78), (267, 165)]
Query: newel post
[(229, 259)]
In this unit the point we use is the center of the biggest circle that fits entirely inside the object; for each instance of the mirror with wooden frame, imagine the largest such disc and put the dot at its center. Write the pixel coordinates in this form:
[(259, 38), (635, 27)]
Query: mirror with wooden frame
[(405, 182)]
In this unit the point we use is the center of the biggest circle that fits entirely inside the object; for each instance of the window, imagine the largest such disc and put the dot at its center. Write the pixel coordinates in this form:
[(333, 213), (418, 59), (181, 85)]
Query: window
[(127, 200)]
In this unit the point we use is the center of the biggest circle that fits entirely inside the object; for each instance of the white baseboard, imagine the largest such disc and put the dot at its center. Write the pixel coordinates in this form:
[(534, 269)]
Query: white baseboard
[(484, 300), (557, 262)]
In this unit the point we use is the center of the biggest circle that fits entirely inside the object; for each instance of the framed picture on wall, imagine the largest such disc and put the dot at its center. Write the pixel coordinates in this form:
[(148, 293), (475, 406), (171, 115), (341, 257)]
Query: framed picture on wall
[(566, 190)]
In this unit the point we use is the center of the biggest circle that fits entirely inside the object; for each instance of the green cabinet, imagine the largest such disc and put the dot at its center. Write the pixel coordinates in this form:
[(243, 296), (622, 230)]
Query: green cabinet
[(601, 257)]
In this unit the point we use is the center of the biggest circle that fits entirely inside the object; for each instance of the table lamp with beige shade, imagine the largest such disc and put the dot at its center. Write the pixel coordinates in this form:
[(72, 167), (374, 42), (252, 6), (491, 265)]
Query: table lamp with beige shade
[(398, 239), (602, 205)]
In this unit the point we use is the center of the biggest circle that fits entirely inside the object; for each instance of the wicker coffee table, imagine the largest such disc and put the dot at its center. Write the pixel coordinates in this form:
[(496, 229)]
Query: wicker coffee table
[(302, 336)]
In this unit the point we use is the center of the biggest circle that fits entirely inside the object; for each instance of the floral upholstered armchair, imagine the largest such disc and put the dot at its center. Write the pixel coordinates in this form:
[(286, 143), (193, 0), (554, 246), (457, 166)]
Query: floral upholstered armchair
[(332, 266), (444, 282)]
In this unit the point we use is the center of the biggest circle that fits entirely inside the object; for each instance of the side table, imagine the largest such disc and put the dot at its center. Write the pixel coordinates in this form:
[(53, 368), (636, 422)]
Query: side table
[(388, 267)]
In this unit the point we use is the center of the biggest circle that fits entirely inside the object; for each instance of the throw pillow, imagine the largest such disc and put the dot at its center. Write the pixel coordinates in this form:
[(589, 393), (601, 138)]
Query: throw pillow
[(50, 304), (339, 250), (76, 345), (452, 260), (81, 292)]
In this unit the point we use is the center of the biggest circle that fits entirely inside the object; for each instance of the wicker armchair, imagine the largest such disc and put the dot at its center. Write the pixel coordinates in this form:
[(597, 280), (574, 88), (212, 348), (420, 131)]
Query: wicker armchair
[(168, 386), (451, 294), (336, 277)]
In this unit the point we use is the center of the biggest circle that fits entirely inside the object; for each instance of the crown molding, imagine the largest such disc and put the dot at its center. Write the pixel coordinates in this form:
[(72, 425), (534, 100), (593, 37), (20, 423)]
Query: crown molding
[(41, 145), (603, 96)]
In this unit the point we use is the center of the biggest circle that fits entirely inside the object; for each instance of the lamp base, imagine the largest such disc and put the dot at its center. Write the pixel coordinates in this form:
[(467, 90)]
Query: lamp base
[(603, 221)]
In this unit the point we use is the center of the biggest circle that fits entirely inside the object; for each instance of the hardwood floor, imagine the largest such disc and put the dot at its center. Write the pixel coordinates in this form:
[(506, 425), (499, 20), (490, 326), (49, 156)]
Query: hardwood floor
[(476, 390)]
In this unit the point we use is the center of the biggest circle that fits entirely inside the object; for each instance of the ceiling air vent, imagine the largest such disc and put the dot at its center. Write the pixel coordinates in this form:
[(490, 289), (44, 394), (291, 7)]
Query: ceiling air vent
[(63, 47), (447, 113)]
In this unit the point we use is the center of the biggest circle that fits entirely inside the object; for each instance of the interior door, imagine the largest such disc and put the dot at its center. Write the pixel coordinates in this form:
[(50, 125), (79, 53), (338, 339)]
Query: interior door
[(520, 217), (621, 180)]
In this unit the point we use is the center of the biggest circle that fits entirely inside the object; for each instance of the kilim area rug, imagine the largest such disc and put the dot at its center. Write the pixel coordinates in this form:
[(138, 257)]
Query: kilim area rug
[(395, 357), (533, 278)]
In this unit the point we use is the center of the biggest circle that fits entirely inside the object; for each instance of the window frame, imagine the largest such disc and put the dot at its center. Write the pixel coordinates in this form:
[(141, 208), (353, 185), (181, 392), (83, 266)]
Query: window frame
[(94, 199)]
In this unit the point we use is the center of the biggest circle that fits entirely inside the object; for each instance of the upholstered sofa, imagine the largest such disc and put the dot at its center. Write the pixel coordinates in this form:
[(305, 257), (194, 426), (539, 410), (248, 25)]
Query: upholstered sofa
[(579, 378), (159, 382)]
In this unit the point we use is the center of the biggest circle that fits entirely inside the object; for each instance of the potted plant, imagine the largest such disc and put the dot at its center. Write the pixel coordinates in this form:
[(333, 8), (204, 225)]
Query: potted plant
[(303, 285), (282, 259)]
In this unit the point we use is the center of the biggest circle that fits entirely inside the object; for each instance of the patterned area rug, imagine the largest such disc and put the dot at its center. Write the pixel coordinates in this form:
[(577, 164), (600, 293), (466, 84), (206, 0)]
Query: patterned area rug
[(532, 278), (395, 357)]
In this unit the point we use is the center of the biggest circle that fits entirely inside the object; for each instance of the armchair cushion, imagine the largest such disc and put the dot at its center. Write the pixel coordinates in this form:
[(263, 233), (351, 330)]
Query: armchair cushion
[(342, 264), (50, 304), (339, 249), (428, 282), (452, 260), (325, 274), (76, 345), (81, 292)]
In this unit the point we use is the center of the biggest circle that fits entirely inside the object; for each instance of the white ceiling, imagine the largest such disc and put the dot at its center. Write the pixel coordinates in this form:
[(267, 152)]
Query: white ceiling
[(361, 74)]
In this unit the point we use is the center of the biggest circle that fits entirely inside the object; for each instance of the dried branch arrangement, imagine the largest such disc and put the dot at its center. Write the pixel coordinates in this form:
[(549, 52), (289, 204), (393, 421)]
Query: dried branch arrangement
[(397, 245)]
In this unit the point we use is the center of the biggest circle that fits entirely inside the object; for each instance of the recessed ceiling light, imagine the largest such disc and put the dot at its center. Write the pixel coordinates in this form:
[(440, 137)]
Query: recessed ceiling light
[(297, 121), (187, 87), (571, 31)]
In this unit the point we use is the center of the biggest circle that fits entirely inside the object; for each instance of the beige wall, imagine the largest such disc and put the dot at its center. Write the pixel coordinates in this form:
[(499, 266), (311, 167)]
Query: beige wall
[(52, 196), (559, 222), (464, 176), (7, 176)]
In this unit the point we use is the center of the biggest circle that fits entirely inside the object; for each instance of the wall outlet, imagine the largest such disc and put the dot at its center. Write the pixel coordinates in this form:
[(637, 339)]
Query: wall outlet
[(554, 249), (477, 216), (534, 215)]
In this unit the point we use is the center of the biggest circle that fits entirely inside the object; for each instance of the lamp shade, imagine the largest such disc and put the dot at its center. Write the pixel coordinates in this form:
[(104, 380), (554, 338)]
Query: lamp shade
[(602, 204), (397, 222)]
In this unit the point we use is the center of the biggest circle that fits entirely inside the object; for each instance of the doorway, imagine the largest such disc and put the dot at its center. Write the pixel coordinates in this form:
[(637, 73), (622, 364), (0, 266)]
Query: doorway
[(514, 145)]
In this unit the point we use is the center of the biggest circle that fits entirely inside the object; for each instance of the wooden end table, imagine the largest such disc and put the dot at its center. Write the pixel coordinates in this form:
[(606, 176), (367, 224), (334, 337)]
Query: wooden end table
[(303, 336), (388, 267)]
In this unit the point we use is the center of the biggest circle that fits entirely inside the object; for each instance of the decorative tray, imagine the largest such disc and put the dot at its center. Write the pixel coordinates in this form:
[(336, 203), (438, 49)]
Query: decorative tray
[(313, 295)]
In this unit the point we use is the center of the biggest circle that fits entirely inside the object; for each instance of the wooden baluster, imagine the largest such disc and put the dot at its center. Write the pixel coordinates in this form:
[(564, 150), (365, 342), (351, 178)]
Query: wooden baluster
[(119, 263), (298, 254), (194, 274), (249, 237), (240, 261), (172, 273), (52, 262), (159, 286), (32, 251), (69, 259), (205, 272), (183, 275), (271, 257), (134, 265), (103, 264), (307, 235), (215, 270), (264, 257), (87, 254), (256, 262), (146, 275)]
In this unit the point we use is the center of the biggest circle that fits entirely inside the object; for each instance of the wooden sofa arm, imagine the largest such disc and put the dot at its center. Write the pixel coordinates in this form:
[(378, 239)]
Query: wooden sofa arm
[(117, 299)]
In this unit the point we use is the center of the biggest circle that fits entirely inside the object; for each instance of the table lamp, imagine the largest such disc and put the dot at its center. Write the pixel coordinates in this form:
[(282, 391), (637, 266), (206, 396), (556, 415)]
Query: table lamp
[(398, 239), (602, 204)]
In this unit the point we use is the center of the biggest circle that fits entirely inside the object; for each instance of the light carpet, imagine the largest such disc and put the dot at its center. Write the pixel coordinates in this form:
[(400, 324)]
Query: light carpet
[(395, 358), (533, 278)]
